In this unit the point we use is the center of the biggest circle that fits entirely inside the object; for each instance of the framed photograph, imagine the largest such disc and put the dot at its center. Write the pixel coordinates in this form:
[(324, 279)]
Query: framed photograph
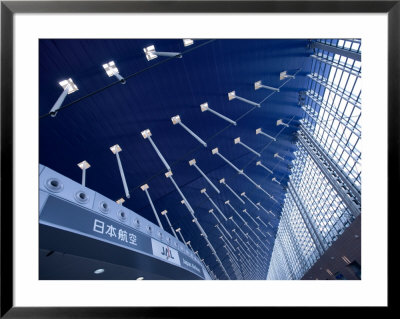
[(165, 157)]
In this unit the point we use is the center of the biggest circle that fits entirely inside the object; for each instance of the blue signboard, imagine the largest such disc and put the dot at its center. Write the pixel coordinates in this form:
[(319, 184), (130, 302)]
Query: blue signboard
[(62, 214)]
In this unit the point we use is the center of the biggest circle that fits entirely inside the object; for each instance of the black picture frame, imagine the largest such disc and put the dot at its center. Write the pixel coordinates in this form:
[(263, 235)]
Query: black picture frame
[(9, 8)]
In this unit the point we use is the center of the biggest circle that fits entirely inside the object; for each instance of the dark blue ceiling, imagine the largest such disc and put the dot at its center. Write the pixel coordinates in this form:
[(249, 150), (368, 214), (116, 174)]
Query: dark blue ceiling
[(86, 129)]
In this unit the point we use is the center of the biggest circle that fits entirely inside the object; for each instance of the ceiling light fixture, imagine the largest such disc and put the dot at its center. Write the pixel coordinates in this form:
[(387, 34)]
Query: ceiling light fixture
[(266, 168), (187, 42), (276, 155), (237, 141), (83, 166), (69, 87), (111, 70), (245, 196), (151, 53), (177, 120), (204, 107), (280, 122), (283, 75), (232, 95), (259, 85), (147, 135), (193, 163), (259, 131), (222, 181)]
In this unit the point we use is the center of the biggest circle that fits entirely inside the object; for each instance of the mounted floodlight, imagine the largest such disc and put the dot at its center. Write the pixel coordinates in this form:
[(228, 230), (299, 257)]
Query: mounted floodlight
[(237, 141), (145, 188), (164, 213), (116, 149), (283, 75), (177, 120), (266, 168), (84, 166), (259, 85), (280, 122), (259, 131), (151, 53), (203, 191), (147, 135), (187, 42), (276, 181), (222, 181), (193, 163), (111, 70), (232, 95), (245, 196), (69, 87), (276, 155), (204, 107), (120, 201), (211, 211)]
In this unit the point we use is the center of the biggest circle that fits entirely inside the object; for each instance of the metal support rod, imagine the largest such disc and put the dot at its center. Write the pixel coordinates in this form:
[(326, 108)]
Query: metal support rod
[(265, 134), (119, 77), (59, 102), (229, 204), (183, 239), (193, 134), (266, 226), (83, 176), (247, 101), (238, 227), (228, 162), (215, 205), (276, 181), (267, 211), (222, 116), (249, 148), (206, 178), (269, 88), (245, 211), (276, 155), (154, 209), (169, 223), (229, 244), (168, 54), (122, 176), (222, 181), (219, 222), (159, 153), (190, 209), (266, 168), (245, 196)]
